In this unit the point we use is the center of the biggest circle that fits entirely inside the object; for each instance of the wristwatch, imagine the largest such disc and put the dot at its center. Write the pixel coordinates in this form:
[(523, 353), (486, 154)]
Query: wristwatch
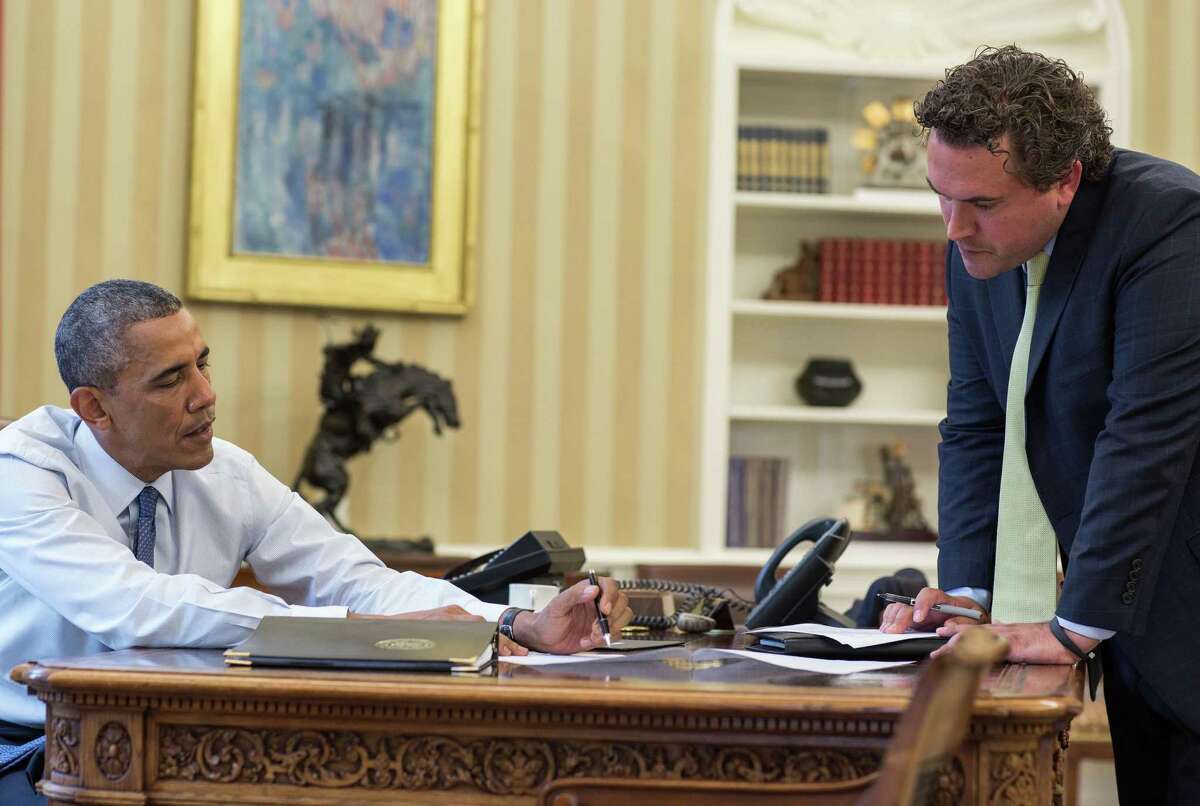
[(507, 619)]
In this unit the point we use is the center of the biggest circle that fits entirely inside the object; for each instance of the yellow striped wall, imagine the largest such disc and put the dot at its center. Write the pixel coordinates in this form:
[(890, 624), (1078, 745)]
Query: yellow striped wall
[(579, 370)]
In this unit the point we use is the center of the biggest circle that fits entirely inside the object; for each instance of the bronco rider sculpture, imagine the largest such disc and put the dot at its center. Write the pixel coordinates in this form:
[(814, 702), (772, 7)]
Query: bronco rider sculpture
[(359, 409)]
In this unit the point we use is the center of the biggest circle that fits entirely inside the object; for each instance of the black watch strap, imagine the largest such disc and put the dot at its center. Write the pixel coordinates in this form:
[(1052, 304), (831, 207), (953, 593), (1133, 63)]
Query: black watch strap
[(1091, 660), (507, 619)]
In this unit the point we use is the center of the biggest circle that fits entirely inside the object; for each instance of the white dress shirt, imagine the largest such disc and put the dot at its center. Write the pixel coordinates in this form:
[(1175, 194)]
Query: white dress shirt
[(70, 585)]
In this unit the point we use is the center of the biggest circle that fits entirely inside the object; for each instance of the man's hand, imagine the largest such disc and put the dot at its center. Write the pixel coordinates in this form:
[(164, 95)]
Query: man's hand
[(568, 623), (1027, 643), (898, 618)]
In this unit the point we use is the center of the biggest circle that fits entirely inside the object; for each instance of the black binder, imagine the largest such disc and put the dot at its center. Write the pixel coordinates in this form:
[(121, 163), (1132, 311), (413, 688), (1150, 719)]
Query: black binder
[(818, 646), (382, 644)]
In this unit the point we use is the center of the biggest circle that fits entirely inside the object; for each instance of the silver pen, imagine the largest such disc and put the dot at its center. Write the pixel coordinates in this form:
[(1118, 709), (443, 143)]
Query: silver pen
[(949, 610)]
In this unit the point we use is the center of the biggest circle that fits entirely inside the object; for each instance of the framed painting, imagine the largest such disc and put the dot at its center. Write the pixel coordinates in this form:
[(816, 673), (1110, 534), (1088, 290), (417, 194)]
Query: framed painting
[(335, 153)]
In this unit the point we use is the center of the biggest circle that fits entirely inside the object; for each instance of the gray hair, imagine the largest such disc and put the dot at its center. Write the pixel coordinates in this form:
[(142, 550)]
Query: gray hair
[(89, 345)]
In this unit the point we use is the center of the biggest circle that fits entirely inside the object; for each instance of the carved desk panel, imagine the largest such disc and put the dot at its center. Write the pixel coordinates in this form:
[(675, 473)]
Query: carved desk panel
[(177, 726)]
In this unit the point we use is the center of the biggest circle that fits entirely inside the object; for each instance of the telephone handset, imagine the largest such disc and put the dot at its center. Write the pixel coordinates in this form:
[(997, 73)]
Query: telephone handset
[(796, 598), (792, 600), (533, 557)]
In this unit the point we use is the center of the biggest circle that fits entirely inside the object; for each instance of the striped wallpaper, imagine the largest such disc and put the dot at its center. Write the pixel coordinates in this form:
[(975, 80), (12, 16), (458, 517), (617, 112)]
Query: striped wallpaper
[(579, 370)]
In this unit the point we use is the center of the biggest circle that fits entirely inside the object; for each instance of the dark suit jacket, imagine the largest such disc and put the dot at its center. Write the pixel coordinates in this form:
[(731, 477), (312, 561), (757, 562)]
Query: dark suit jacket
[(1112, 412)]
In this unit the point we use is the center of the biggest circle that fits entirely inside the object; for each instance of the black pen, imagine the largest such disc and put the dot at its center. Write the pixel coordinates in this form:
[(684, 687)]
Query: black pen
[(949, 610), (600, 615)]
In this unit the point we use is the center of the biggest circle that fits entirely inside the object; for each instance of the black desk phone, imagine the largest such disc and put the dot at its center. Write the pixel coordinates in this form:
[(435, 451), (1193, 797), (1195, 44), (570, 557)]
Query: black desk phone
[(796, 598), (791, 600), (534, 557)]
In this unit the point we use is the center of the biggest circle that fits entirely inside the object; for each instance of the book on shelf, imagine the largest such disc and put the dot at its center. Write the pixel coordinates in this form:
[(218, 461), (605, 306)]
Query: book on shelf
[(876, 271), (757, 501), (778, 159)]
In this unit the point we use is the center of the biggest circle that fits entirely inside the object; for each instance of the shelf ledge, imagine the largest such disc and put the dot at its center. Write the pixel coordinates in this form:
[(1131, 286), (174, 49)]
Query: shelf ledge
[(933, 314), (902, 203), (849, 416)]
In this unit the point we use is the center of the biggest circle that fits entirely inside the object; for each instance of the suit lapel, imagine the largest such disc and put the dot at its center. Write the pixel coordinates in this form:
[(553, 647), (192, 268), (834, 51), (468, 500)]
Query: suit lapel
[(1070, 248), (1006, 292)]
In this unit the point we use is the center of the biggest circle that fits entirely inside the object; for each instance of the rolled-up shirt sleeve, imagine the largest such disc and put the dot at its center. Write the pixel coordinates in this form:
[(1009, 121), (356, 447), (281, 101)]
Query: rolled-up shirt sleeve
[(306, 560), (63, 556)]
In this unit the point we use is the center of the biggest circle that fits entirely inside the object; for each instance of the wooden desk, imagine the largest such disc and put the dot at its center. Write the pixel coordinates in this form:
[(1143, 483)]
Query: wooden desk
[(177, 726)]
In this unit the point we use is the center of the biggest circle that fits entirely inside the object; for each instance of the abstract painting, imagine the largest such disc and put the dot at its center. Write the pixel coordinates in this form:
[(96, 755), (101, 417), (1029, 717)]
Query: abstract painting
[(335, 152), (335, 129)]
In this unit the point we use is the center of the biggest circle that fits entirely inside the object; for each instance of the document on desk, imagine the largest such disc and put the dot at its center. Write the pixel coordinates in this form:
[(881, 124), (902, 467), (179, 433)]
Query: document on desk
[(667, 649), (803, 664), (843, 635)]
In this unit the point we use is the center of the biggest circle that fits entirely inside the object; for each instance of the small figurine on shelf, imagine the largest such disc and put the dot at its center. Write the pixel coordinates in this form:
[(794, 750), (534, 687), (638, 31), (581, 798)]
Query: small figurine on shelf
[(894, 154), (888, 510), (799, 280), (904, 510)]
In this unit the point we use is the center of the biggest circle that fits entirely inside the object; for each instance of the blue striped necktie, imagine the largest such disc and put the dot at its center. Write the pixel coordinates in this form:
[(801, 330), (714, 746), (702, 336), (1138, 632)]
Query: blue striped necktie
[(143, 544)]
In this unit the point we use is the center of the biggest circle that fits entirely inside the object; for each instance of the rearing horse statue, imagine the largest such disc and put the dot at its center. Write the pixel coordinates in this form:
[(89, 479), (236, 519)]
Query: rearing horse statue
[(361, 408)]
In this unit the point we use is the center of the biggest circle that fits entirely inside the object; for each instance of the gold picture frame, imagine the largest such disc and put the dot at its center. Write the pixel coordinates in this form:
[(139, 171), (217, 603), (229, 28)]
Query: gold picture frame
[(444, 284)]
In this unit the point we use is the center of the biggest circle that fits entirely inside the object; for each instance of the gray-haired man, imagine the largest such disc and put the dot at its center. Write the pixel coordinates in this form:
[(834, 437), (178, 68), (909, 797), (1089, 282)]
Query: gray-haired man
[(123, 521)]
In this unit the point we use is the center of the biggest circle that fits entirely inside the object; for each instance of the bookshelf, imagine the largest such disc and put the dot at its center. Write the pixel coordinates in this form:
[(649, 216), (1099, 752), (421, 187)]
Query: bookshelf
[(802, 65)]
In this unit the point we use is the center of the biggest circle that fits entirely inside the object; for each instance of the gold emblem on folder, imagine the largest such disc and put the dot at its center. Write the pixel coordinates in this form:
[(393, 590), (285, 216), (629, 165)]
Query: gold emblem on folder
[(405, 644)]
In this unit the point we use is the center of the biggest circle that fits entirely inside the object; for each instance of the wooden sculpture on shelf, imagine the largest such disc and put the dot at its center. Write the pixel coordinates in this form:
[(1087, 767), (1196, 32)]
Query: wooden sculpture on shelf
[(903, 515), (799, 280), (361, 408), (889, 509)]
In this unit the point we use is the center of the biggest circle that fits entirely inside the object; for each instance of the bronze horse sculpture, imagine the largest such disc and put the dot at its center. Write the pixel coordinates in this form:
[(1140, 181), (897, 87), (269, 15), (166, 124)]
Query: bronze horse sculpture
[(362, 408)]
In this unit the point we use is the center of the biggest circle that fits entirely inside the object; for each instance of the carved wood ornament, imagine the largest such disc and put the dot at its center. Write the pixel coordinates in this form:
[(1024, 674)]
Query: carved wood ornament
[(498, 766), (62, 746), (114, 751)]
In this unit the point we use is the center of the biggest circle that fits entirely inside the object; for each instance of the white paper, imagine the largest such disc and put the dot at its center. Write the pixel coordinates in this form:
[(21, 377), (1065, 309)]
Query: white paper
[(546, 659), (822, 665), (846, 635), (543, 659)]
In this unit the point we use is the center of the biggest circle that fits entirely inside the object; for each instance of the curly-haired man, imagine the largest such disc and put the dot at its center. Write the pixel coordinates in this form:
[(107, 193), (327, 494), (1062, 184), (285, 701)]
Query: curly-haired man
[(1073, 409)]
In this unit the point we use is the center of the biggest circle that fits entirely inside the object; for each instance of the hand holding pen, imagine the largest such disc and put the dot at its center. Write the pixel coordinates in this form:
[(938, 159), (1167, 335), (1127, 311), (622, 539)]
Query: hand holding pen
[(604, 630), (906, 612)]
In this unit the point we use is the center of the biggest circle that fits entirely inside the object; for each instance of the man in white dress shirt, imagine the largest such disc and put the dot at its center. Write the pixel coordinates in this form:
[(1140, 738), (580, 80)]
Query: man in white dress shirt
[(123, 521)]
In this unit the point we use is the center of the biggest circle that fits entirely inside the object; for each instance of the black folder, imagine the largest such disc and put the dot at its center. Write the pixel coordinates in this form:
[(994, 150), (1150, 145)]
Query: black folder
[(383, 644), (818, 646)]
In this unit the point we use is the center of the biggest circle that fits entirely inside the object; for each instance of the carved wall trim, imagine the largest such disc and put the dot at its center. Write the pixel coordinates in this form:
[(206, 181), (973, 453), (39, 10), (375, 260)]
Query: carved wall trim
[(879, 30), (62, 746), (520, 716), (495, 765), (114, 751)]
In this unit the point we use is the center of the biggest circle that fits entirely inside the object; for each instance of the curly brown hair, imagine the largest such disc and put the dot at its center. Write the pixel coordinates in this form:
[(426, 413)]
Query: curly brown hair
[(1050, 115)]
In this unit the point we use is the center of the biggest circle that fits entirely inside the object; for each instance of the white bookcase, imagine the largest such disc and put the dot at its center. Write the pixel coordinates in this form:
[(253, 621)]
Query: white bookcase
[(818, 63)]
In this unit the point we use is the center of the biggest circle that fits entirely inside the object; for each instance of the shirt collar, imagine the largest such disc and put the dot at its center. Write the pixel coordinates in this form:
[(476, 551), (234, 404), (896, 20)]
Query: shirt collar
[(1048, 249), (117, 485)]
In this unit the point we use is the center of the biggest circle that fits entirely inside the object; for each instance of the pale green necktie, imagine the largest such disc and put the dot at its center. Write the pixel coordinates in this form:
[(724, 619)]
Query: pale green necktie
[(1025, 587)]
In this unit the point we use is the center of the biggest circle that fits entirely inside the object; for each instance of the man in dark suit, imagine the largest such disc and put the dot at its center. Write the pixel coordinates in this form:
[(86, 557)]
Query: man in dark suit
[(1073, 413)]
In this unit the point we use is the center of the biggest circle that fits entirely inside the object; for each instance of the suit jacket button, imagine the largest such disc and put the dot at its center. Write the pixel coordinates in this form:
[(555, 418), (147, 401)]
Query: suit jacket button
[(1136, 565), (1130, 587), (1127, 598)]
